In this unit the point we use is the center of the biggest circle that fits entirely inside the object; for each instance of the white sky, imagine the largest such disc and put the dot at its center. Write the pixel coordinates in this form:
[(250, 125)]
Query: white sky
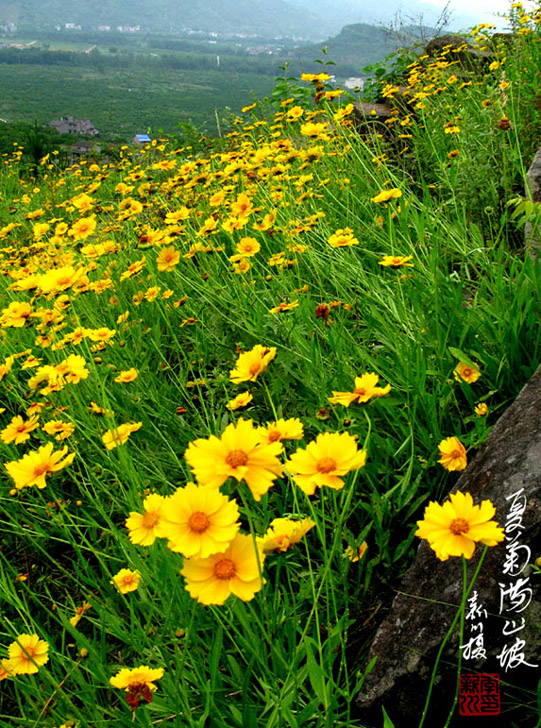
[(482, 11)]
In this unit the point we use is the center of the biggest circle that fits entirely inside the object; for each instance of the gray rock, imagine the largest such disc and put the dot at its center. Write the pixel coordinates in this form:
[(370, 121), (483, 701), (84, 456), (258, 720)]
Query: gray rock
[(468, 57), (407, 642), (533, 234)]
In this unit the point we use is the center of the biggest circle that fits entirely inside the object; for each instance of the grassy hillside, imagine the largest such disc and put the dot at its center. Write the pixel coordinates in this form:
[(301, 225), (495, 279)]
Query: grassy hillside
[(234, 377)]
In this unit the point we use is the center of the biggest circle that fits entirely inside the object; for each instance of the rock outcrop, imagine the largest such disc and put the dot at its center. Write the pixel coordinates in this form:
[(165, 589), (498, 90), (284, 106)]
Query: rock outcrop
[(508, 472)]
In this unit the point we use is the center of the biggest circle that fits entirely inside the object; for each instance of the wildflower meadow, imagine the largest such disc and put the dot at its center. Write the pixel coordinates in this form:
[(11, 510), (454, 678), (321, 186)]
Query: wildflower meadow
[(239, 379)]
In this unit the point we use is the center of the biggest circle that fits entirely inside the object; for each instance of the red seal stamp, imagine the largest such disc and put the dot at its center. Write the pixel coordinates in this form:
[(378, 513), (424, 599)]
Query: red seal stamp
[(479, 694)]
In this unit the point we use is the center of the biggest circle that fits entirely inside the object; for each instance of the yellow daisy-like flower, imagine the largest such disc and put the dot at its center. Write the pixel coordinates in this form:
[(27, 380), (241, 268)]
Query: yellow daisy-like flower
[(452, 454), (396, 261), (235, 571), (343, 238), (246, 248), (199, 521), (386, 195), (241, 400), (118, 436), (127, 375), (83, 228), (356, 554), (18, 430), (238, 454), (365, 389), (126, 580), (128, 679), (325, 460), (168, 259), (291, 429), (454, 528), (142, 527), (468, 373), (251, 364), (481, 409), (27, 654), (60, 430), (33, 467), (285, 532)]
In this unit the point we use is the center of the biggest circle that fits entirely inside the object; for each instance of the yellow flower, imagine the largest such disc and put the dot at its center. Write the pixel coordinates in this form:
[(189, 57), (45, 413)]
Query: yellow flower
[(238, 454), (73, 369), (61, 430), (129, 679), (246, 248), (284, 307), (481, 409), (127, 375), (396, 261), (83, 228), (343, 238), (469, 373), (126, 580), (452, 454), (291, 429), (241, 400), (324, 461), (32, 468), (386, 195), (236, 571), (16, 314), (251, 364), (168, 258), (142, 527), (356, 555), (27, 654), (198, 521), (242, 207), (118, 436), (454, 528), (18, 430), (74, 621), (285, 532), (365, 389)]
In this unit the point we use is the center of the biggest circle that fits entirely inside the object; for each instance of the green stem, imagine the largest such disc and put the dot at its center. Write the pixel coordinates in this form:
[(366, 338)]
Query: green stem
[(465, 595), (462, 611)]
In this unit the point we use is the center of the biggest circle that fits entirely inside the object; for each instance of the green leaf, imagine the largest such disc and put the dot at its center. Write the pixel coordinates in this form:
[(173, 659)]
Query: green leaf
[(387, 722)]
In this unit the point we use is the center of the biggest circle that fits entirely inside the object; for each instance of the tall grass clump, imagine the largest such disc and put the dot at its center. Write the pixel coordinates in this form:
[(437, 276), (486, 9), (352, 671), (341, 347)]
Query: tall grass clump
[(226, 377)]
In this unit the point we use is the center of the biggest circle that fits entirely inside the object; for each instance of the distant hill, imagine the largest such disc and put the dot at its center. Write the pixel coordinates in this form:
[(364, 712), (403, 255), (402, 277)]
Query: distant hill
[(264, 17), (355, 47)]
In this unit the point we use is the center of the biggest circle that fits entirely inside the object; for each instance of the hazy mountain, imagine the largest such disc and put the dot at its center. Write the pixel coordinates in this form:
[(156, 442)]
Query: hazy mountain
[(337, 13), (266, 17)]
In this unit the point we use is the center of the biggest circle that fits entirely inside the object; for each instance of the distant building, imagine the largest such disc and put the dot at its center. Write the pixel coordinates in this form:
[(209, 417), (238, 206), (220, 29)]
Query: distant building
[(72, 26), (141, 139), (69, 125), (354, 82), (104, 28)]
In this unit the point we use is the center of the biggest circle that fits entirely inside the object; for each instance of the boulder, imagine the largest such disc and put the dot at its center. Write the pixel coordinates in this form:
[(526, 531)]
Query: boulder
[(468, 57), (506, 471), (533, 236)]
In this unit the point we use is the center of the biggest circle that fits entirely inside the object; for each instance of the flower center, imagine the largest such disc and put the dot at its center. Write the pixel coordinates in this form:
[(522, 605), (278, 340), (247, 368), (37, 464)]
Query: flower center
[(326, 465), (255, 367), (40, 469), (361, 391), (198, 522), (224, 569), (274, 435), (150, 519), (459, 526), (236, 458)]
